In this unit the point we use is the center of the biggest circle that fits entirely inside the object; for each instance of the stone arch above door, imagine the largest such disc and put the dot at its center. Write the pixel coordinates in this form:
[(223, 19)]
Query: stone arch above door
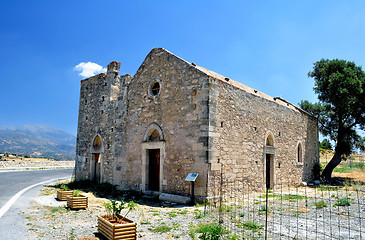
[(97, 144), (153, 133)]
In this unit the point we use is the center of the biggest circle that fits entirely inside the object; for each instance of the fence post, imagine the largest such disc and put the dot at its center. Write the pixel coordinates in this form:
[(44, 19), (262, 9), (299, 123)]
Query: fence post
[(220, 220)]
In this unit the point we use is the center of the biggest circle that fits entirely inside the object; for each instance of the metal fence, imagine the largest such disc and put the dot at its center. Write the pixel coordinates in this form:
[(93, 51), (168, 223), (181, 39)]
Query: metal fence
[(288, 211), (353, 161)]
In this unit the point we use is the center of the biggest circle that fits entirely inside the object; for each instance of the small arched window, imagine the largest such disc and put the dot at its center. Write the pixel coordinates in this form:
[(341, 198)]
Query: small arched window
[(299, 152), (270, 141), (154, 136), (97, 143)]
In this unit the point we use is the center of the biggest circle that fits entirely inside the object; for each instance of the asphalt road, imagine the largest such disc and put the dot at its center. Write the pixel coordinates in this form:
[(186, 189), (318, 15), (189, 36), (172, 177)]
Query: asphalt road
[(12, 223)]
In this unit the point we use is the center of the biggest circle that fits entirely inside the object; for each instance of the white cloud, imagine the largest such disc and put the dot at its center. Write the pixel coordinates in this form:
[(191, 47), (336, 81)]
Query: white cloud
[(89, 69)]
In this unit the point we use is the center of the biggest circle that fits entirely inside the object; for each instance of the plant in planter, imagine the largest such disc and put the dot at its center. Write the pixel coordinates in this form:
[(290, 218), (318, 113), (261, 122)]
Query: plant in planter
[(113, 225), (77, 200), (63, 193)]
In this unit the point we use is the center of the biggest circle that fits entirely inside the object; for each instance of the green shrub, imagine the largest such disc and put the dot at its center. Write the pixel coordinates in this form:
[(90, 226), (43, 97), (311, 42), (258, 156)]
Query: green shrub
[(161, 229), (64, 187), (342, 202), (320, 204), (252, 226), (76, 193), (211, 231), (114, 209)]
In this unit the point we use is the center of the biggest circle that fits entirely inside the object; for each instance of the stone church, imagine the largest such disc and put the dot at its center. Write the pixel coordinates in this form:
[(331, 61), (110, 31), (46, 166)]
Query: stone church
[(147, 132)]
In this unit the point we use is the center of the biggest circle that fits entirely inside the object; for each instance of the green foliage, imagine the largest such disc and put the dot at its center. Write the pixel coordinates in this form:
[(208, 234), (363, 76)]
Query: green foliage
[(72, 235), (114, 208), (76, 193), (212, 231), (262, 209), (328, 188), (26, 156), (64, 187), (289, 197), (340, 86), (343, 169), (225, 208), (320, 204), (172, 214), (183, 212), (161, 229), (359, 165), (199, 215), (325, 144), (252, 226), (342, 202)]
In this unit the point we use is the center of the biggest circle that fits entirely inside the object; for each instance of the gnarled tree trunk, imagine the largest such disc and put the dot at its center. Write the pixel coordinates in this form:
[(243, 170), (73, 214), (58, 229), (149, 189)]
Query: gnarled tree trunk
[(327, 172)]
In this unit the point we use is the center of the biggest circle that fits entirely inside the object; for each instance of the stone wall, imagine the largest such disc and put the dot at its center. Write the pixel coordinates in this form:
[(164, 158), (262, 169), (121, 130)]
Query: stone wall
[(206, 123), (36, 164), (243, 121), (180, 110), (98, 98)]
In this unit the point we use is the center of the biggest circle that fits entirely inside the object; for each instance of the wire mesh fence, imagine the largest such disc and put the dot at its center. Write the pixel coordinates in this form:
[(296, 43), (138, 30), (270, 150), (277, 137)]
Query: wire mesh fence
[(353, 161), (287, 211)]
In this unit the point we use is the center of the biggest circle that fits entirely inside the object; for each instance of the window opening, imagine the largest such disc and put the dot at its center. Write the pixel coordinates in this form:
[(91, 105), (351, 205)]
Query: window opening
[(97, 143), (299, 152), (270, 141), (155, 136), (155, 88)]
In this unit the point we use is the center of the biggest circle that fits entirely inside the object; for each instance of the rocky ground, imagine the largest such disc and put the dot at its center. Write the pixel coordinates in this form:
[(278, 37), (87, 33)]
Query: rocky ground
[(50, 219)]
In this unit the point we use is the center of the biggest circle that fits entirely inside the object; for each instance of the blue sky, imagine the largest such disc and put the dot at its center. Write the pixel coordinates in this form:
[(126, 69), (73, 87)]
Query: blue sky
[(267, 45)]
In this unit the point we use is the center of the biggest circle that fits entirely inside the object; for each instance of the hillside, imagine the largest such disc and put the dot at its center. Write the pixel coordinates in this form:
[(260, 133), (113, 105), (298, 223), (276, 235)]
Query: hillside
[(38, 141)]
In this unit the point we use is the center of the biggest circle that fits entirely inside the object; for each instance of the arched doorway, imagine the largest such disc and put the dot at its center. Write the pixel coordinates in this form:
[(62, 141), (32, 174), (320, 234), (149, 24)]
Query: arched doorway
[(95, 164), (152, 155), (269, 153)]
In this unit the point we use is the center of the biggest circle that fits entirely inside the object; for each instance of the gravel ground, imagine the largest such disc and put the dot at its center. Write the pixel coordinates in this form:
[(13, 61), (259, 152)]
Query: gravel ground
[(299, 219), (48, 218)]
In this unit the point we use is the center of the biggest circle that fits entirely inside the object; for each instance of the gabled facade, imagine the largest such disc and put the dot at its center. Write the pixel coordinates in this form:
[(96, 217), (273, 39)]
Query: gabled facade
[(148, 131)]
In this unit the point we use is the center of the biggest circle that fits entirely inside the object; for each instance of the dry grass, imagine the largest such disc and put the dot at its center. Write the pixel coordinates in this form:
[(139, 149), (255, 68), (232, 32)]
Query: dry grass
[(18, 158)]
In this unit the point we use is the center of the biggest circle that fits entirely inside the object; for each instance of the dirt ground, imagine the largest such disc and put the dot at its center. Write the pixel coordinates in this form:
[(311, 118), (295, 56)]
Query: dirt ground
[(354, 176)]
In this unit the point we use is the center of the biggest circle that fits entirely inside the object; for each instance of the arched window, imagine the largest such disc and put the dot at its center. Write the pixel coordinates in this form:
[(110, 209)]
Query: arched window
[(154, 136), (270, 141), (153, 133), (97, 143), (299, 152)]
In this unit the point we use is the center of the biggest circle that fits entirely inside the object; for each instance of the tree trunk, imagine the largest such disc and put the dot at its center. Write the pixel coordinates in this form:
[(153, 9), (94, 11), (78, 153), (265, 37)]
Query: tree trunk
[(327, 172)]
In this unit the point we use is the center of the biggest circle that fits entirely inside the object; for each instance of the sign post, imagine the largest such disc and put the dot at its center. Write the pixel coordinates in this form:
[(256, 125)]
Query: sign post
[(191, 178)]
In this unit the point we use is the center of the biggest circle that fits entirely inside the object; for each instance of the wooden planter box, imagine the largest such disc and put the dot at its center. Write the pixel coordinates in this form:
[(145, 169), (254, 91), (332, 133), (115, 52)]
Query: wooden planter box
[(113, 231), (77, 202), (62, 195)]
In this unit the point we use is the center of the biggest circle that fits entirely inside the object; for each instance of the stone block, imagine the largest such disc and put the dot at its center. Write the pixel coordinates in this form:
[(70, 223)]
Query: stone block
[(174, 198)]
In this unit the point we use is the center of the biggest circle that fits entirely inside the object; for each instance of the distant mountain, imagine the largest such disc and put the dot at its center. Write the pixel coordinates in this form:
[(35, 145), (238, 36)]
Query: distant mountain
[(38, 141)]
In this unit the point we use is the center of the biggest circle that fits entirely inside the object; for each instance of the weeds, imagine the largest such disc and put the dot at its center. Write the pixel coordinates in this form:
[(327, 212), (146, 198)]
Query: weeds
[(252, 226), (161, 229), (320, 204), (211, 231), (342, 202)]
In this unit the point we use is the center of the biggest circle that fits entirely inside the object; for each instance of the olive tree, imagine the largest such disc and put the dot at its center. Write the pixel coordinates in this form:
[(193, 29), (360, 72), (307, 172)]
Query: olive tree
[(340, 86)]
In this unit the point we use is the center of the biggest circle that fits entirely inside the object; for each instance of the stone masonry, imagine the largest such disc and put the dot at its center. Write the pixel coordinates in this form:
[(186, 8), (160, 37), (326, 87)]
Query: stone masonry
[(148, 131)]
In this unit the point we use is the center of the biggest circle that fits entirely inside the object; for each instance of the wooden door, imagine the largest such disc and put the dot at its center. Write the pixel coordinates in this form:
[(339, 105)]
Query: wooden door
[(154, 169)]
